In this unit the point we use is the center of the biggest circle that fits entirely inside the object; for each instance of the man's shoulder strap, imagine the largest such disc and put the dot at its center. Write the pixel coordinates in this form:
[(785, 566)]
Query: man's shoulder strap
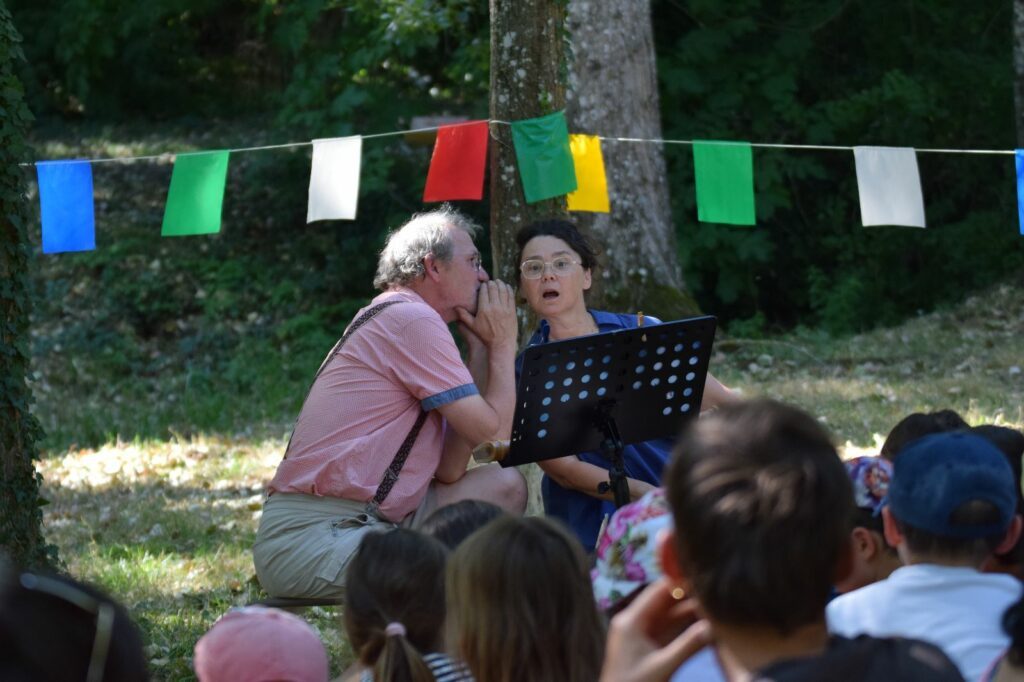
[(367, 315)]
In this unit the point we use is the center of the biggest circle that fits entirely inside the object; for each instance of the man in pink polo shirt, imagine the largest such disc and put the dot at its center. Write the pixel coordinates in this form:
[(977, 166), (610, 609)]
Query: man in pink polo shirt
[(385, 434)]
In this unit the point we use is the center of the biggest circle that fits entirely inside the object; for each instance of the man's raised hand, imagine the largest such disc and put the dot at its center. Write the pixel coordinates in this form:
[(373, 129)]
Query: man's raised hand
[(495, 322)]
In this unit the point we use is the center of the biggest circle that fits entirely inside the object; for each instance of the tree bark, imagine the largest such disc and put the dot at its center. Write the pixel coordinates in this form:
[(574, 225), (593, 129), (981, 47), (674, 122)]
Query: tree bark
[(527, 81), (21, 537), (613, 92)]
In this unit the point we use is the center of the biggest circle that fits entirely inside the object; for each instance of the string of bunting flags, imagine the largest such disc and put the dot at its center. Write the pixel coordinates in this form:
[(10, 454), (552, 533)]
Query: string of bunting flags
[(551, 163)]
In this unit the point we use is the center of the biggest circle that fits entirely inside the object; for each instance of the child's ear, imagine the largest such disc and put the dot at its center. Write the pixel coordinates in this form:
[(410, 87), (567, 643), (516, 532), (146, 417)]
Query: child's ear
[(1012, 535), (668, 556), (892, 533), (866, 542)]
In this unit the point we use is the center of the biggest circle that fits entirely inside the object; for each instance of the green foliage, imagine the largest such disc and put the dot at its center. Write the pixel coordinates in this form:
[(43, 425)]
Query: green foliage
[(326, 67), (832, 73), (170, 57), (20, 517), (371, 64)]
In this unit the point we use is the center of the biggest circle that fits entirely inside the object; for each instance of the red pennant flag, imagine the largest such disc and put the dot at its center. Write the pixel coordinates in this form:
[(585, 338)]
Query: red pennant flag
[(457, 167)]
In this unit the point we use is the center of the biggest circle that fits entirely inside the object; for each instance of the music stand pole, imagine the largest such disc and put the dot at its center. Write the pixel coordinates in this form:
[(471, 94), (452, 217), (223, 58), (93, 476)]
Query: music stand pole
[(611, 448)]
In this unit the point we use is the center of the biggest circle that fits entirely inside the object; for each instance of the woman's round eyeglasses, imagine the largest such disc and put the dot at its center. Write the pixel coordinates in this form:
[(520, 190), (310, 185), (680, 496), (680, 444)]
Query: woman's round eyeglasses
[(533, 268)]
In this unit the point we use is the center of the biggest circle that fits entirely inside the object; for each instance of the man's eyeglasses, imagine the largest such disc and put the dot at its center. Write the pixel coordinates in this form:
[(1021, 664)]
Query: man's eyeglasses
[(104, 612), (533, 268)]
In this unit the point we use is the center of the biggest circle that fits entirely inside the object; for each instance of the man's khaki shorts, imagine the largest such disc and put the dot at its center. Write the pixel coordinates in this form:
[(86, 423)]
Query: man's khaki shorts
[(304, 542)]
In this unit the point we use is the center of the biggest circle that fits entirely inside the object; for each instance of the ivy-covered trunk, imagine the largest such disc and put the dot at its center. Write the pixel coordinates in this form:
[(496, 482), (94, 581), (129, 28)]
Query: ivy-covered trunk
[(613, 92), (527, 80), (21, 538)]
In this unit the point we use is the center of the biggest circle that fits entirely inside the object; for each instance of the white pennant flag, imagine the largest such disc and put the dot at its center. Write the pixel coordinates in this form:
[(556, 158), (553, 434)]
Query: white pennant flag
[(334, 178), (889, 185)]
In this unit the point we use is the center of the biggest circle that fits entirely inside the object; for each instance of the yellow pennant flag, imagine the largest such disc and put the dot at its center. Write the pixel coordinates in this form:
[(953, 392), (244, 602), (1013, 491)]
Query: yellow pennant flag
[(592, 187)]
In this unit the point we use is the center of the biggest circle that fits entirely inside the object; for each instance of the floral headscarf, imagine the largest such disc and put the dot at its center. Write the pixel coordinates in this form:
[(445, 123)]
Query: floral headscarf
[(627, 549)]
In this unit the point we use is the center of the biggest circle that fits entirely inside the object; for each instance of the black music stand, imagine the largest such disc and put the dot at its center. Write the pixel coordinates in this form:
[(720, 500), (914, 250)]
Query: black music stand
[(605, 391)]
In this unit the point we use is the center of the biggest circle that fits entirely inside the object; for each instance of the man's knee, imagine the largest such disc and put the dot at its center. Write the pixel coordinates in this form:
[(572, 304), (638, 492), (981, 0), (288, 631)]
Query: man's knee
[(511, 486)]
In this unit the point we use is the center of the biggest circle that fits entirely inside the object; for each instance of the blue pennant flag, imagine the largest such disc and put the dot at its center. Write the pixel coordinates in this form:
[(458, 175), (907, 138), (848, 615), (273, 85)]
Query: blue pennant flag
[(1020, 189), (65, 205)]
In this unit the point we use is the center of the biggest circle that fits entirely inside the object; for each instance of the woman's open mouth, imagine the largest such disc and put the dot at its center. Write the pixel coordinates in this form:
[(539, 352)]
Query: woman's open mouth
[(549, 295)]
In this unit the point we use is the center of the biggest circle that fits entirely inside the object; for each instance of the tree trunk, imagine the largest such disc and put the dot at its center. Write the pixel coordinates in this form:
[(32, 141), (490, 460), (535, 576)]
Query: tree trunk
[(1018, 68), (613, 92), (527, 81), (21, 537)]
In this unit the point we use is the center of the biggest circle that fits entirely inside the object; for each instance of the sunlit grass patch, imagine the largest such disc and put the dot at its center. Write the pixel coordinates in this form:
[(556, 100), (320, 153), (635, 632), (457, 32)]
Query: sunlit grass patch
[(167, 527)]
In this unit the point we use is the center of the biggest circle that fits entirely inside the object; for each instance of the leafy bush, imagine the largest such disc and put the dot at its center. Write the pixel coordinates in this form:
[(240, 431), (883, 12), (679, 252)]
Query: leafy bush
[(807, 72)]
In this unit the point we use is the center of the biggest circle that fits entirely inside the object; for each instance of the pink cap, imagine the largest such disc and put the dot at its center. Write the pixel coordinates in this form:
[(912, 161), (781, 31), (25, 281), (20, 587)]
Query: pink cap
[(260, 644)]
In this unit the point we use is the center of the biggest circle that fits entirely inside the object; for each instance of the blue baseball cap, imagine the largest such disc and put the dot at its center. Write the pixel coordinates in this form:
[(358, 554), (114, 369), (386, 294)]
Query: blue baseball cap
[(935, 475)]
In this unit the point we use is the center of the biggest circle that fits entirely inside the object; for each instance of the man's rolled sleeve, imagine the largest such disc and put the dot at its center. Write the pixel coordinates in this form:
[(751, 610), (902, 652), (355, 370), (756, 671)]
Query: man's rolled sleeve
[(449, 396)]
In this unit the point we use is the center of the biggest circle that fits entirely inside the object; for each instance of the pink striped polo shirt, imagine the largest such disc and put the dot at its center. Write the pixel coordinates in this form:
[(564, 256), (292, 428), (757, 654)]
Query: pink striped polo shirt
[(365, 403)]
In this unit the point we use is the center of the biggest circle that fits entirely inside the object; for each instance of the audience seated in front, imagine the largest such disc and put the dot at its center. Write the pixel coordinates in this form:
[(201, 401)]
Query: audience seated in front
[(520, 605), (395, 608), (952, 502), (872, 557), (57, 629), (762, 508), (259, 644)]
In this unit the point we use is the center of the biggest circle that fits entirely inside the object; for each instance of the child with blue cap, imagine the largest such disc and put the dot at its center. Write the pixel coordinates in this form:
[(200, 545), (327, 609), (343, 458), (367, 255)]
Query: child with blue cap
[(952, 502)]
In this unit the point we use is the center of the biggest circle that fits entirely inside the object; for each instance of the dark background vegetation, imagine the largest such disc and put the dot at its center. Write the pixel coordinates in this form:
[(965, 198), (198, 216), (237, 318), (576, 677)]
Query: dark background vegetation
[(250, 311)]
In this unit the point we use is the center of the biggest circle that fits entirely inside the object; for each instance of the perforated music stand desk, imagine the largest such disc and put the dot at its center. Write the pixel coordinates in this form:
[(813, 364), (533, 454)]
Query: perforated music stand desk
[(605, 391)]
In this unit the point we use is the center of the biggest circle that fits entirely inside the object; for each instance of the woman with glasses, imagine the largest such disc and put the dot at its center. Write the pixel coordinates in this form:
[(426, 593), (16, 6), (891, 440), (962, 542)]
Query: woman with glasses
[(556, 264)]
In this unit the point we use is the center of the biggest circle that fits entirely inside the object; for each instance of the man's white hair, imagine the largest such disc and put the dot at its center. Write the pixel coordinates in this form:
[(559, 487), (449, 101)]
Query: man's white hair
[(401, 260)]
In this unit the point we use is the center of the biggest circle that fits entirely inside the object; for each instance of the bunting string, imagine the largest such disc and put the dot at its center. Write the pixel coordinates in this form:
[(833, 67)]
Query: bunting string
[(550, 162), (603, 138)]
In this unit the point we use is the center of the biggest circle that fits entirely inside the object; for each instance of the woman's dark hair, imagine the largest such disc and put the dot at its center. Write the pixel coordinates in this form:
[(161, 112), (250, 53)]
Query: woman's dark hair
[(560, 229), (55, 628), (453, 523), (396, 577)]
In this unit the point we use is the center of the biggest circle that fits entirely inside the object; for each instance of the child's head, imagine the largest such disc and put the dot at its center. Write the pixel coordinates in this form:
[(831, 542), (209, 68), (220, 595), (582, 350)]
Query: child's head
[(763, 510), (54, 628), (1011, 443), (520, 604), (919, 425), (872, 558), (952, 500), (627, 551), (257, 643), (394, 602), (453, 523)]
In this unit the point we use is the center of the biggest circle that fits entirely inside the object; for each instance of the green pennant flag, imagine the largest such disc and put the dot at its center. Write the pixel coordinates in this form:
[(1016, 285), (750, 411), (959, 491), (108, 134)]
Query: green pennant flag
[(544, 157), (196, 195), (725, 182)]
